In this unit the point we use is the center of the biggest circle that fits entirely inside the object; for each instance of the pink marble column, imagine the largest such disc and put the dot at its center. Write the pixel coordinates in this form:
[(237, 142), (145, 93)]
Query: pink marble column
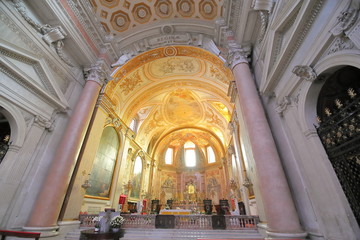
[(282, 217), (47, 207)]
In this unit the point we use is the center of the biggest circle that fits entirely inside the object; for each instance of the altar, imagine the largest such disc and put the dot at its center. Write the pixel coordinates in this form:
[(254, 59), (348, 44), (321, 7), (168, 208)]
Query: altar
[(175, 212)]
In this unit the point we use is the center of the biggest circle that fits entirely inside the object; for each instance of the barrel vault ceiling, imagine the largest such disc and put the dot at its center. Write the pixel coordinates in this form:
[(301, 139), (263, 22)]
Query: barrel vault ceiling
[(178, 93)]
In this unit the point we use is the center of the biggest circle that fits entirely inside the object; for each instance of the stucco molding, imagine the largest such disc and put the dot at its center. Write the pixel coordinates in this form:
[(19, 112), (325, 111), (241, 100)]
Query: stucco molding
[(306, 73), (56, 66), (281, 60), (51, 35)]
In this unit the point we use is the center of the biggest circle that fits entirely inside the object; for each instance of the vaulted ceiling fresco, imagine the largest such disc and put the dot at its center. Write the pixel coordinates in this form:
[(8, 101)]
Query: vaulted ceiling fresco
[(177, 91), (186, 90)]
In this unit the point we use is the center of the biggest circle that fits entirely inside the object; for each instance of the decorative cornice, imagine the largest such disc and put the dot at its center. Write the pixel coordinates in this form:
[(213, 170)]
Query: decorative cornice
[(154, 42), (49, 34), (91, 26), (34, 64), (23, 80), (305, 73), (98, 72)]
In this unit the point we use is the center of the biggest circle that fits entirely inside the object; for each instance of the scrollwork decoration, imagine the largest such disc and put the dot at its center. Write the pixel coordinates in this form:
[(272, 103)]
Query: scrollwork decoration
[(50, 35)]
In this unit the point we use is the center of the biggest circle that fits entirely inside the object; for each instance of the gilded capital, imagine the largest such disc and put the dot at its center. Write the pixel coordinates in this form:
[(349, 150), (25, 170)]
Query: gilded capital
[(98, 72)]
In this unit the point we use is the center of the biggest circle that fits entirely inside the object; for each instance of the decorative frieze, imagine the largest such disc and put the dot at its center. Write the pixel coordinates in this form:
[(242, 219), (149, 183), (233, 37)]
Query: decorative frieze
[(305, 73), (346, 34), (146, 44), (341, 43)]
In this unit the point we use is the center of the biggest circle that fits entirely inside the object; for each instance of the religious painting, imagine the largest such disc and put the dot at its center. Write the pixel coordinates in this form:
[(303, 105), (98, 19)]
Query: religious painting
[(136, 179), (182, 107), (104, 165)]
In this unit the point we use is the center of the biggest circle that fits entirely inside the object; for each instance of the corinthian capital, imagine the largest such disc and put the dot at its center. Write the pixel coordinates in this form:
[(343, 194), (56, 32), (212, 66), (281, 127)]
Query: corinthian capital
[(236, 55), (98, 72)]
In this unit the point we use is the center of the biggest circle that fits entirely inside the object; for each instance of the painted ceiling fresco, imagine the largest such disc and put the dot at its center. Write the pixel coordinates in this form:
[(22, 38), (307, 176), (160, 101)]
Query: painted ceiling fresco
[(177, 97)]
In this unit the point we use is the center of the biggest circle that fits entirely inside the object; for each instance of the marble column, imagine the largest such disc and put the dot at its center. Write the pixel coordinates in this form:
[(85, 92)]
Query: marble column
[(47, 207), (282, 217)]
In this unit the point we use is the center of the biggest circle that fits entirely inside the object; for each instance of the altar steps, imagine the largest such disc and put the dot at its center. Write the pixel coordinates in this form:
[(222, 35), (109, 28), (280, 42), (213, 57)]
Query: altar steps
[(188, 234)]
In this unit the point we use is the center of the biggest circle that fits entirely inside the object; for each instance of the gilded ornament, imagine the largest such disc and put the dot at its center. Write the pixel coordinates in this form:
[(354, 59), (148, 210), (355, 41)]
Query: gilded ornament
[(128, 84), (327, 112), (318, 119), (351, 93), (338, 103)]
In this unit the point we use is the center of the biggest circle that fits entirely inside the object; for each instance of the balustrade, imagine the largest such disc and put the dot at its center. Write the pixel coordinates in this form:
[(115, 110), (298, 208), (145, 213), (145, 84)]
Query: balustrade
[(87, 220), (241, 222), (233, 222), (139, 221), (193, 222)]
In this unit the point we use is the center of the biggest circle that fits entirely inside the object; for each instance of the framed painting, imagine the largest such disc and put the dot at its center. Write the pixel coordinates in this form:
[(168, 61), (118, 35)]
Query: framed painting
[(104, 165)]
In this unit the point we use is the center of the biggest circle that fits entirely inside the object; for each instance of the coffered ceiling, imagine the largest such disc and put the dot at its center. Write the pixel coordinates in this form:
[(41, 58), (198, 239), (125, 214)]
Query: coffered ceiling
[(177, 90), (118, 16)]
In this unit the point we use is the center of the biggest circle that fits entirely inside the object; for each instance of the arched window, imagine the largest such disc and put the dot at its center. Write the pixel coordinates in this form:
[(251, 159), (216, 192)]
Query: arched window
[(210, 154), (169, 156), (136, 179), (104, 164), (190, 154)]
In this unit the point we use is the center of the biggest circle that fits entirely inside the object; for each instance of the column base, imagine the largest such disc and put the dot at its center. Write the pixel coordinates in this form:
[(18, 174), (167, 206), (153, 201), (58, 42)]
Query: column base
[(71, 228), (45, 231), (275, 235)]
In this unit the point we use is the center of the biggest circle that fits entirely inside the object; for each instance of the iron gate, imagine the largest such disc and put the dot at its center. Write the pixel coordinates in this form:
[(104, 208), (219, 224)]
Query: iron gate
[(339, 132)]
